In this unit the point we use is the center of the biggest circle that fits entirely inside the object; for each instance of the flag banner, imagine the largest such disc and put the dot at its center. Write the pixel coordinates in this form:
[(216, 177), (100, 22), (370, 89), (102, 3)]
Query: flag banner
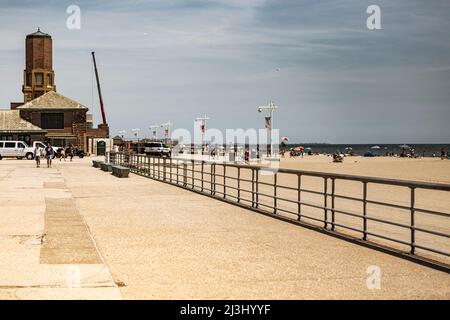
[(268, 123)]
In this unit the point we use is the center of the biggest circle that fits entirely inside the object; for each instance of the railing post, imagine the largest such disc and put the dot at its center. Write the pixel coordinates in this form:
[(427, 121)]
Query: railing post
[(185, 174), (224, 182), (192, 174), (170, 170), (325, 201), (299, 196), (257, 188), (164, 169), (413, 231), (333, 188), (253, 187), (159, 168), (153, 167), (275, 176), (203, 163), (178, 168), (364, 210), (212, 173), (239, 184)]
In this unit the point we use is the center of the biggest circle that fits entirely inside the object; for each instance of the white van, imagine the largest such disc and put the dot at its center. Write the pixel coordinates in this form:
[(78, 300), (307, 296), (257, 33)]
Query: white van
[(18, 149)]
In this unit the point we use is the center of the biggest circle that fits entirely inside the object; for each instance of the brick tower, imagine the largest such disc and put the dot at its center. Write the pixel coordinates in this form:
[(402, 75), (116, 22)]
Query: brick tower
[(38, 76)]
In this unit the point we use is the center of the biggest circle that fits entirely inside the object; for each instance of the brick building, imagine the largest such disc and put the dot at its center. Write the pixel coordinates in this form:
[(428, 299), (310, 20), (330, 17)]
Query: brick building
[(46, 114), (38, 76)]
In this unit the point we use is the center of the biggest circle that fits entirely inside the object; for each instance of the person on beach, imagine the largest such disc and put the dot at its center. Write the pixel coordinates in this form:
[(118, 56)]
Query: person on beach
[(49, 155), (37, 155), (443, 155)]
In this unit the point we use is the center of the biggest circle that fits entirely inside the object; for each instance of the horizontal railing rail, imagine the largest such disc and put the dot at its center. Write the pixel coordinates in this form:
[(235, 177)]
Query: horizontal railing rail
[(281, 192)]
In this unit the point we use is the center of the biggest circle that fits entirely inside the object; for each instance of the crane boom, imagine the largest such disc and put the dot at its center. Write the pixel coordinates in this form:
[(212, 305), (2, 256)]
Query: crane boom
[(99, 90)]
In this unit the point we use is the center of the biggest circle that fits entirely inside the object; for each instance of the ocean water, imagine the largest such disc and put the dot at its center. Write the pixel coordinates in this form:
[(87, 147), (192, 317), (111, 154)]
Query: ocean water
[(423, 150)]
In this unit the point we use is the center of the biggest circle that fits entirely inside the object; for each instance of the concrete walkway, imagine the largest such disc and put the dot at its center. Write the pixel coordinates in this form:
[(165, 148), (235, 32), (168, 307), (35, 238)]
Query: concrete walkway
[(74, 231)]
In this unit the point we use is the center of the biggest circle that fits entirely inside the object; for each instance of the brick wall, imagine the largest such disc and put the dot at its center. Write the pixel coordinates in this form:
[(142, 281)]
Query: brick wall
[(38, 53)]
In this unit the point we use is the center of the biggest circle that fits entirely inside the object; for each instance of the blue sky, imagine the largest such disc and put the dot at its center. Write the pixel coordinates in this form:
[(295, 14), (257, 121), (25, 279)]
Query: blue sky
[(332, 79)]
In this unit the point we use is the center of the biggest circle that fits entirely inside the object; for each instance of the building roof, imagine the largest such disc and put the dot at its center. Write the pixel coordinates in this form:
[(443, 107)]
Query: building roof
[(11, 121), (38, 33), (52, 100)]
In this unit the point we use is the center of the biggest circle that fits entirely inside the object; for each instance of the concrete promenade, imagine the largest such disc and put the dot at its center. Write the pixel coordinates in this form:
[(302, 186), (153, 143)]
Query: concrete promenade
[(76, 232)]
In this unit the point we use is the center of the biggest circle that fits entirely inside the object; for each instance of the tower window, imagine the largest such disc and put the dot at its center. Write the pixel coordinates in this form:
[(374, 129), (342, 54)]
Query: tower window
[(39, 79)]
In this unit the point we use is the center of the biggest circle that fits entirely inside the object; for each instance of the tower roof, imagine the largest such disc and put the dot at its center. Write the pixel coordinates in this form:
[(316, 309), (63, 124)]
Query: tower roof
[(38, 33)]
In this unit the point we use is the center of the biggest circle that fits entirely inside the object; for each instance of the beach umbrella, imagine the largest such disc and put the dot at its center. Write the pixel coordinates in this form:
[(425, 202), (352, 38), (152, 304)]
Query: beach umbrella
[(308, 148), (299, 148), (349, 148), (404, 146), (375, 147), (285, 139)]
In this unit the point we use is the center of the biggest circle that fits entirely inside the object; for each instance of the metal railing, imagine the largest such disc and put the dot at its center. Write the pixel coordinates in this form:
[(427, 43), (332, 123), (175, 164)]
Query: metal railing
[(285, 193)]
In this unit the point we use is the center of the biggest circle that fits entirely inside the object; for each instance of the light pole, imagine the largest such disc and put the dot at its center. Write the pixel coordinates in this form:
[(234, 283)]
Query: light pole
[(154, 129), (203, 128), (166, 127), (136, 134), (269, 121), (122, 135)]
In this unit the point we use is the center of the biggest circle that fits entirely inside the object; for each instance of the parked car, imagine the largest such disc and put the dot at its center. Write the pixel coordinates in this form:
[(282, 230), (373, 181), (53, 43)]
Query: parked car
[(157, 149), (17, 149)]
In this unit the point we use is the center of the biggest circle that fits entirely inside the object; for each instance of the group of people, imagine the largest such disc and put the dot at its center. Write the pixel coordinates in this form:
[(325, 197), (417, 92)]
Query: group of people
[(49, 153)]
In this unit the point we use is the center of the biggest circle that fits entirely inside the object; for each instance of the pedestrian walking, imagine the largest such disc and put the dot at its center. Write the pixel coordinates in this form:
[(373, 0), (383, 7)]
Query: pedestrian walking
[(63, 154), (70, 152), (37, 155), (49, 155)]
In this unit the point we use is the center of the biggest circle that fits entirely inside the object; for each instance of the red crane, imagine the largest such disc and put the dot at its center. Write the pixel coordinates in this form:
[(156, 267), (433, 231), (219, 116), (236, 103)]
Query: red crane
[(99, 90)]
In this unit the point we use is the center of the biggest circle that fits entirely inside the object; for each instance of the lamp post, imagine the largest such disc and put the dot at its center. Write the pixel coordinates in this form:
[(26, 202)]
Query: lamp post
[(166, 127), (122, 135), (154, 130), (269, 121), (203, 128), (136, 134)]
